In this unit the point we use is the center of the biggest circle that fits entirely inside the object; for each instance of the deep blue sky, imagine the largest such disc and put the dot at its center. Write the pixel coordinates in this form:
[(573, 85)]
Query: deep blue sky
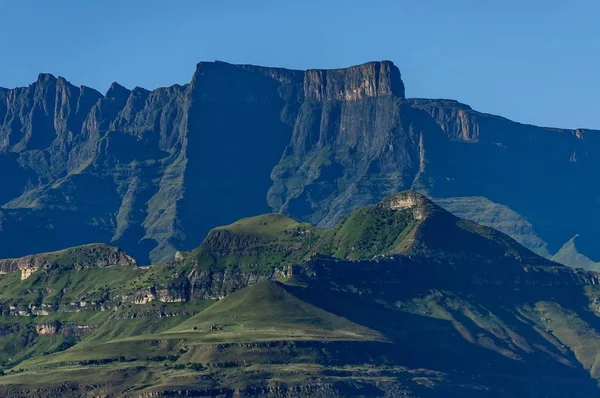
[(533, 61)]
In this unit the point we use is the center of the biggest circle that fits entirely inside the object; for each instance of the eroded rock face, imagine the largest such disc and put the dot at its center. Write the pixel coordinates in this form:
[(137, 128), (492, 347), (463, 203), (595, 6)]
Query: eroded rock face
[(26, 265), (57, 328), (130, 167), (88, 256), (386, 271), (47, 329), (136, 167), (369, 80), (205, 285), (408, 200)]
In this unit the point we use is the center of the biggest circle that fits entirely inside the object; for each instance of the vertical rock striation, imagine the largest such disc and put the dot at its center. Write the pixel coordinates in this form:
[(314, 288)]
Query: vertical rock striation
[(153, 171)]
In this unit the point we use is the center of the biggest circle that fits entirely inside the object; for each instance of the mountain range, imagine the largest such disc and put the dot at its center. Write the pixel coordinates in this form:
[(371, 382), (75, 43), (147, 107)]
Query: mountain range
[(153, 172), (399, 298)]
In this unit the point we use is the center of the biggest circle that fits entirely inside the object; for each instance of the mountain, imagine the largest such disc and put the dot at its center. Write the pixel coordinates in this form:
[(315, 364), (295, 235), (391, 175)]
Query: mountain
[(404, 223), (154, 171), (400, 298), (570, 254)]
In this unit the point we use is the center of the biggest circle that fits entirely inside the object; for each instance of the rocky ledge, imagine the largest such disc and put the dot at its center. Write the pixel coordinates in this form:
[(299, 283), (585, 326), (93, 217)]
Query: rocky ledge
[(87, 256)]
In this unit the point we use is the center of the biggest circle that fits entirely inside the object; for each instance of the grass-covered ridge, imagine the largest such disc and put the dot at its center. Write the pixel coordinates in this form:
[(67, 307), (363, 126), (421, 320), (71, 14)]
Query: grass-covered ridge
[(272, 240), (260, 242), (404, 223), (96, 254)]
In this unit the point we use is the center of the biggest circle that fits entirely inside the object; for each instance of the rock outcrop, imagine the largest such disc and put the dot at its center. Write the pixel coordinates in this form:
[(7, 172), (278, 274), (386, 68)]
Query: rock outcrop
[(26, 265), (88, 256), (204, 285)]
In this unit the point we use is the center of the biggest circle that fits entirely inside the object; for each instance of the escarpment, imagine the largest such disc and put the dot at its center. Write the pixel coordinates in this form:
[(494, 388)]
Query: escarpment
[(153, 171)]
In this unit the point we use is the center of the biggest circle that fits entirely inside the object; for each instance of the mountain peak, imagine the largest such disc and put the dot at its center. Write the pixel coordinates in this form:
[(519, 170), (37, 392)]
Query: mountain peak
[(116, 90), (405, 223), (409, 200), (46, 77), (371, 79), (570, 253)]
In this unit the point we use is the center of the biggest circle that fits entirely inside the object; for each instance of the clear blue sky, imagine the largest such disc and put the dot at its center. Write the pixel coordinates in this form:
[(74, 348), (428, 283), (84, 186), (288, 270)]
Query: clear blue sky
[(533, 61)]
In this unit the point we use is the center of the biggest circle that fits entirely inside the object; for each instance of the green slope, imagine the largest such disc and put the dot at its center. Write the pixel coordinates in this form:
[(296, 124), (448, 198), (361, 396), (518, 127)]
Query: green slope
[(404, 223), (396, 322), (266, 311), (264, 241)]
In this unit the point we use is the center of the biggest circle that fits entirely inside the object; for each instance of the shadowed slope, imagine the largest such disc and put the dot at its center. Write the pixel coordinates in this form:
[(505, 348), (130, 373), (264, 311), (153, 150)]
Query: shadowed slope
[(267, 311)]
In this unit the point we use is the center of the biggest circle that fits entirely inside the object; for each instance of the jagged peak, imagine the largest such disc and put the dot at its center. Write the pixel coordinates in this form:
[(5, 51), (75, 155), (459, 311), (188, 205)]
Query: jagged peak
[(89, 90), (141, 90), (46, 77), (116, 90)]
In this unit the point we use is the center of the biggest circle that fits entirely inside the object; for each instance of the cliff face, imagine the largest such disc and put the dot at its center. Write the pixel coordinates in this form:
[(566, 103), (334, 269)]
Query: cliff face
[(535, 184), (544, 175), (153, 171), (203, 285)]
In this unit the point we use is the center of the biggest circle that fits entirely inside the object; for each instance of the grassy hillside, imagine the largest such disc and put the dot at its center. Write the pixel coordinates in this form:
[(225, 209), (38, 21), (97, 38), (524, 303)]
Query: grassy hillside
[(264, 241), (410, 341), (415, 226), (388, 302), (267, 311)]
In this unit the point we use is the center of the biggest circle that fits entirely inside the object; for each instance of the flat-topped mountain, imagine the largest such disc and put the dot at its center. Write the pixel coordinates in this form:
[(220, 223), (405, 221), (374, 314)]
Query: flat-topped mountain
[(153, 171)]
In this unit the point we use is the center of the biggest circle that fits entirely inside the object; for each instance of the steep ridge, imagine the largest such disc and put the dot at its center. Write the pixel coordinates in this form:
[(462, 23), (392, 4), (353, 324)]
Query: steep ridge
[(135, 168), (570, 254), (450, 152), (154, 171), (404, 223)]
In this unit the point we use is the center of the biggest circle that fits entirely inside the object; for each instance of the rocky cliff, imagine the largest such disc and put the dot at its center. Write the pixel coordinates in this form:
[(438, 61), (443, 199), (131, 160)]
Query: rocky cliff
[(76, 258), (154, 171), (135, 167)]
